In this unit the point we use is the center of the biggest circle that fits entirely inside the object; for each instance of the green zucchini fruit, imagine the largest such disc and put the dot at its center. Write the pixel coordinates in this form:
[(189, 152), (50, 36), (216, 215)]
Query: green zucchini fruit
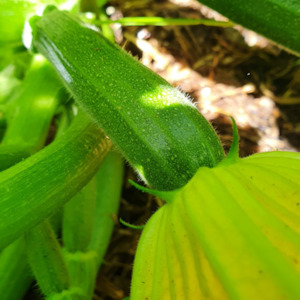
[(156, 127), (33, 189), (278, 20)]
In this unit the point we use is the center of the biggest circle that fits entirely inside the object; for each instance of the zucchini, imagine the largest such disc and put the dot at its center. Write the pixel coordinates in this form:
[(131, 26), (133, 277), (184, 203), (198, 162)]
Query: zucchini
[(278, 20), (156, 127)]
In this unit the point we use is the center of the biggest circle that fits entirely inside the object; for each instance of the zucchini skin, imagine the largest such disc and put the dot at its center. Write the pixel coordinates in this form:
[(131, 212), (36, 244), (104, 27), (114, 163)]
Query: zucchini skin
[(278, 20), (156, 127)]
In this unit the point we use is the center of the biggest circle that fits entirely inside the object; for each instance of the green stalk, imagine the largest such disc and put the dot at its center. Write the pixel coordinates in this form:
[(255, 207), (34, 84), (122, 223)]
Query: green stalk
[(31, 124), (29, 113), (78, 219), (109, 184), (32, 109), (64, 120), (12, 17), (12, 154), (104, 23), (15, 276), (77, 228), (159, 21), (48, 264), (85, 257), (45, 259), (49, 178), (63, 123), (8, 83), (28, 126), (2, 131), (156, 127)]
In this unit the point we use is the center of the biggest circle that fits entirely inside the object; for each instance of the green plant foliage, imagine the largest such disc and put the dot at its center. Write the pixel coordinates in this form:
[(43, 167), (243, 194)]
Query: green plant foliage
[(29, 113), (49, 178), (87, 228), (32, 107), (46, 260), (159, 21), (13, 14), (230, 227), (232, 232), (12, 18), (278, 20), (15, 274)]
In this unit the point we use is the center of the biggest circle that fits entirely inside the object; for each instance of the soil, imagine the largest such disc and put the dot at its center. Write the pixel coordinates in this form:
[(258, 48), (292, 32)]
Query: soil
[(227, 72)]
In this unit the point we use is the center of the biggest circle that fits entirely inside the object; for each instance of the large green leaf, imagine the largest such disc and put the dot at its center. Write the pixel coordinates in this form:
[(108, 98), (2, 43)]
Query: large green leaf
[(278, 20), (233, 232)]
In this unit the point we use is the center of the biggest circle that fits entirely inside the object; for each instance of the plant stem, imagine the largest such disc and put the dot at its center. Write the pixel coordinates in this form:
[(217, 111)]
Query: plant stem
[(32, 109), (46, 260), (159, 21), (109, 183), (15, 276), (12, 154), (66, 165), (84, 258), (28, 126), (78, 219), (106, 29)]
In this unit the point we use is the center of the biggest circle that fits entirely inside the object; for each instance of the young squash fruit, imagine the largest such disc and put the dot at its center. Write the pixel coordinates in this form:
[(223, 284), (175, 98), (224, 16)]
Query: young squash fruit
[(156, 127)]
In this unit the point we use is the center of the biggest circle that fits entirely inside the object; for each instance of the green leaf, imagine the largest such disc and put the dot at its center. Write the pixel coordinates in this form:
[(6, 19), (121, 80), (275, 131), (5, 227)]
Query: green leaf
[(278, 20), (233, 232)]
